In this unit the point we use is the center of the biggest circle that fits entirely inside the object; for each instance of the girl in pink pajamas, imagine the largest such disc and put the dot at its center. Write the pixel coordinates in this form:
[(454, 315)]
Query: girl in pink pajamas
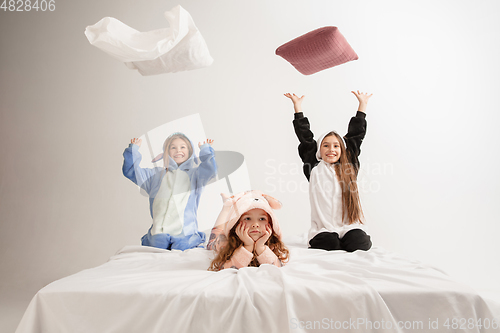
[(247, 233)]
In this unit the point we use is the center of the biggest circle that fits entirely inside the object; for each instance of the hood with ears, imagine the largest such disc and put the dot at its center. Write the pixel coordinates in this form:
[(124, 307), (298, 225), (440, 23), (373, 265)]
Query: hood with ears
[(238, 204)]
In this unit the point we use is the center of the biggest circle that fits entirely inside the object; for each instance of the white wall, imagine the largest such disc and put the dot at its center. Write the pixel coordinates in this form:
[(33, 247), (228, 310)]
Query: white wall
[(429, 158)]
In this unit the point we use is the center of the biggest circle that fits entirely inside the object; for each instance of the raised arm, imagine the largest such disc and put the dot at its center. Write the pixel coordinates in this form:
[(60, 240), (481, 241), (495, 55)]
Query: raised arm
[(357, 128), (307, 145), (362, 99), (131, 160), (207, 168)]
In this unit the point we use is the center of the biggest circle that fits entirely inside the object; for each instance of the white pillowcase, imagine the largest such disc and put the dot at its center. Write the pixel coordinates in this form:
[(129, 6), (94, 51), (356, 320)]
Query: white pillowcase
[(180, 47)]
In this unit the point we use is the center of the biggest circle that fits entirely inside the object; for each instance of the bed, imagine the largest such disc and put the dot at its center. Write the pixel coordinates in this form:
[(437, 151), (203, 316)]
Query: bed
[(144, 289)]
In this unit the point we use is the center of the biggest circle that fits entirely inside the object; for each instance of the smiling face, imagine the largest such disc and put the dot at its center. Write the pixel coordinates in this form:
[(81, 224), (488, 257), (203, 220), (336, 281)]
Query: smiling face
[(256, 221), (330, 150), (178, 151)]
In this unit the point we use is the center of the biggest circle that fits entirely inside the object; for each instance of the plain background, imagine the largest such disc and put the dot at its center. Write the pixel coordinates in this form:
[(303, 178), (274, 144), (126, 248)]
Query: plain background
[(429, 183)]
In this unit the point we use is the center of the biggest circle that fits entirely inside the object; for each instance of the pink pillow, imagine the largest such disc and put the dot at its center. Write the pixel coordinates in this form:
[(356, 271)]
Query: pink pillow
[(317, 50)]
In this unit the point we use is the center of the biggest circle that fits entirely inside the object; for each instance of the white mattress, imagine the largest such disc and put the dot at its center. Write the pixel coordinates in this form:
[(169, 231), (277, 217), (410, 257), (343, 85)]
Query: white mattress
[(143, 289)]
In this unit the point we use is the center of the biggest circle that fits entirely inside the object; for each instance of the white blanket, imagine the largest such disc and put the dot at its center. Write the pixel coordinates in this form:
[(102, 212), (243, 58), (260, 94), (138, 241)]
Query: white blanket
[(143, 289)]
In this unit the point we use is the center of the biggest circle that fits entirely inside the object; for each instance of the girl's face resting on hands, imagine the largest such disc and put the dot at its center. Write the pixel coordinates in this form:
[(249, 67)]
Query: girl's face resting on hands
[(256, 221), (179, 151), (330, 149)]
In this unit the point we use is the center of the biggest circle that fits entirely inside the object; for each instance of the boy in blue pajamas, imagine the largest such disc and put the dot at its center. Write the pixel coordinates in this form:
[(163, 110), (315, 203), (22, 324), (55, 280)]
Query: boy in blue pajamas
[(174, 190)]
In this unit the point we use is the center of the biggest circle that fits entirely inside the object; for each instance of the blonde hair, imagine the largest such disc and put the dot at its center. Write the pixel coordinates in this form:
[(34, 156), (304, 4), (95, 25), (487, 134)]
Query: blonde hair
[(347, 177), (168, 142)]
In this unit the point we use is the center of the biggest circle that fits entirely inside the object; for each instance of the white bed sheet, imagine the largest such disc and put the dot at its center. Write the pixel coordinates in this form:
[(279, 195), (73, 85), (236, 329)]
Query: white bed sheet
[(143, 289)]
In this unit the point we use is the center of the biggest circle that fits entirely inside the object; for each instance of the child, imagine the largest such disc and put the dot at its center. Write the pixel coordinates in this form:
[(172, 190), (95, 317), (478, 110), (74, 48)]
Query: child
[(331, 165), (174, 191), (250, 233)]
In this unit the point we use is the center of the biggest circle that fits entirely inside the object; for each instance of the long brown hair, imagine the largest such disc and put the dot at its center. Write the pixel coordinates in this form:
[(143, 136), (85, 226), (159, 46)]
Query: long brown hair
[(225, 253), (168, 142), (347, 175)]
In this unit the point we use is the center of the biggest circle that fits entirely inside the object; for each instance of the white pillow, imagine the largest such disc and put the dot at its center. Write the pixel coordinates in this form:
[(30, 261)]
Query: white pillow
[(180, 47)]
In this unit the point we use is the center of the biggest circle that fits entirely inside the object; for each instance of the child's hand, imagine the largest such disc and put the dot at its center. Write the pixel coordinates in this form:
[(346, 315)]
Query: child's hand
[(136, 141), (209, 141), (242, 232), (297, 101), (260, 244), (363, 99)]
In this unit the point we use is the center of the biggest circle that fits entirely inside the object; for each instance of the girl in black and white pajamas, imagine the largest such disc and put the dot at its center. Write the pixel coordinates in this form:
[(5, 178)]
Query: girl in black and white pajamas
[(331, 165)]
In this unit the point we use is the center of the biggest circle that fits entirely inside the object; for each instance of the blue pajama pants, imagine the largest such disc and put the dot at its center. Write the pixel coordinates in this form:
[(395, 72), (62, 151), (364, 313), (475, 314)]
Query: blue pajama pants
[(169, 242)]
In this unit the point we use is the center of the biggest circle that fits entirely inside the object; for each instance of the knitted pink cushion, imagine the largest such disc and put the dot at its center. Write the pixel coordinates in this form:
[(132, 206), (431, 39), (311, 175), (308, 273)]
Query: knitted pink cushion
[(317, 50)]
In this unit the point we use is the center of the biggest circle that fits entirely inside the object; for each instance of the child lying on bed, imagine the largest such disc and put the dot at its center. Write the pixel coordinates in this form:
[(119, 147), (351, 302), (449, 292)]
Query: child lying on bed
[(331, 165), (247, 233), (174, 190)]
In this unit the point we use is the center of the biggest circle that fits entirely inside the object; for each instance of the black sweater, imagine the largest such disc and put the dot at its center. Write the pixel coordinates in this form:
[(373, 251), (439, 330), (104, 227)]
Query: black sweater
[(308, 147)]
